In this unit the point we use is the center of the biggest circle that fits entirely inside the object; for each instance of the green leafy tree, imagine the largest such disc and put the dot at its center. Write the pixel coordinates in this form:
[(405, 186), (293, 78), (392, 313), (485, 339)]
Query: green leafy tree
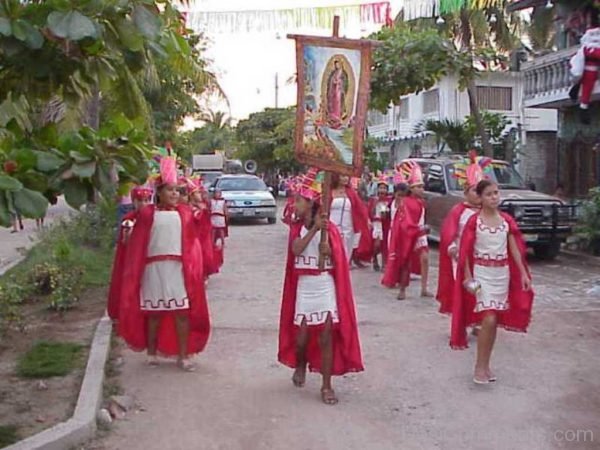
[(267, 137)]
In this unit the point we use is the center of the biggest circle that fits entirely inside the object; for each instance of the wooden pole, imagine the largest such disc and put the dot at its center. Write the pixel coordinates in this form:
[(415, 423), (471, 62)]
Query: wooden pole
[(326, 189)]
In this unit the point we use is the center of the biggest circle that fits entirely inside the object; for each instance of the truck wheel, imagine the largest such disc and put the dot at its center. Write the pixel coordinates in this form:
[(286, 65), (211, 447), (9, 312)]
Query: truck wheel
[(272, 220), (547, 252)]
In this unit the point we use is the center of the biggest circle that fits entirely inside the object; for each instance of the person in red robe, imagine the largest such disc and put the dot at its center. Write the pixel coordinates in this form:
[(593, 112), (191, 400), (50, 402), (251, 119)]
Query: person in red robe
[(219, 218), (379, 209), (403, 236), (290, 202), (201, 210), (163, 307), (493, 285), (318, 326), (415, 208), (140, 197), (349, 213), (468, 173)]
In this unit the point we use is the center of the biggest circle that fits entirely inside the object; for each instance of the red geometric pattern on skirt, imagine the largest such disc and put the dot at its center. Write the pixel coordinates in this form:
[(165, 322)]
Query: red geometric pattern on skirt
[(172, 303)]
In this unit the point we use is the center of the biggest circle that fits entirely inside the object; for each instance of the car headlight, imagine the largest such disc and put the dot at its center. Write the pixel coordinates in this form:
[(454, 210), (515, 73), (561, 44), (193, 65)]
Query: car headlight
[(519, 212), (267, 203), (547, 212)]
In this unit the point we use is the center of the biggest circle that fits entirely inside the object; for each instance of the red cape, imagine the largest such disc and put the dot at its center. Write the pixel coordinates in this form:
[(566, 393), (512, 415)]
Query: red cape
[(448, 234), (132, 320), (360, 222), (346, 346), (116, 279), (385, 222), (517, 317), (414, 208), (204, 229), (403, 236)]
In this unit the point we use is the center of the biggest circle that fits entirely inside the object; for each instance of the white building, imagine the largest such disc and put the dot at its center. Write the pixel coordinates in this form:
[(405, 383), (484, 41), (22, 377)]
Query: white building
[(499, 92)]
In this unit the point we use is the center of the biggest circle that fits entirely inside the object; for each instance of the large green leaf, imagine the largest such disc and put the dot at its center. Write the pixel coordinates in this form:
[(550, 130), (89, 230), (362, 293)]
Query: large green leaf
[(79, 158), (84, 170), (26, 32), (30, 203), (8, 183), (48, 162), (25, 159), (129, 36), (75, 193), (71, 25), (5, 28), (147, 22), (34, 181)]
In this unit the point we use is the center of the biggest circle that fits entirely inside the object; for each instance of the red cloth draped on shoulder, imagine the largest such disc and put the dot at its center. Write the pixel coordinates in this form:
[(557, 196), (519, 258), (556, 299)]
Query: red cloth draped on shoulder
[(385, 221), (448, 234), (204, 228), (360, 221), (517, 317), (403, 235), (288, 210), (346, 345), (415, 208), (132, 320), (116, 279)]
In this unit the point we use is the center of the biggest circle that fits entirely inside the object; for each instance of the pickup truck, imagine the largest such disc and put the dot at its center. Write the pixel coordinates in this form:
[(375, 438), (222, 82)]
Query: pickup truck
[(545, 221)]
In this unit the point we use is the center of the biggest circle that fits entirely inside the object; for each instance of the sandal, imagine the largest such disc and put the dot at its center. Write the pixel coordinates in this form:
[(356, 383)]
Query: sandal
[(186, 365), (328, 396), (152, 361)]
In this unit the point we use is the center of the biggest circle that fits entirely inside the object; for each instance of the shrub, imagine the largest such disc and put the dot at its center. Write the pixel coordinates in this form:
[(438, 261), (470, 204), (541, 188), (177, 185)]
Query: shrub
[(8, 435), (589, 221)]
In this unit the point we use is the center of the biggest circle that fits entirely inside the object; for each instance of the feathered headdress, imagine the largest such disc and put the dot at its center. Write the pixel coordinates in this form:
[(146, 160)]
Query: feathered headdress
[(398, 176), (472, 170), (309, 185), (412, 172), (195, 184), (141, 193), (167, 171)]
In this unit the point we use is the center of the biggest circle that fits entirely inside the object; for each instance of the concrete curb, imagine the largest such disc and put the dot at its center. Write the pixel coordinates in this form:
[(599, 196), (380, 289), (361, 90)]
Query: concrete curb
[(82, 426), (10, 265), (581, 257)]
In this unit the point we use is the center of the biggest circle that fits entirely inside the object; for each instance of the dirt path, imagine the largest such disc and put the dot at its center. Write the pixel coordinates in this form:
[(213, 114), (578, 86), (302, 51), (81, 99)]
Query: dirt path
[(415, 393)]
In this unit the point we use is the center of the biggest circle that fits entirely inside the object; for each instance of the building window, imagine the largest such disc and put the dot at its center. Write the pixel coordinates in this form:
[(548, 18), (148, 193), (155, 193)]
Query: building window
[(376, 118), (431, 101), (494, 98), (403, 113)]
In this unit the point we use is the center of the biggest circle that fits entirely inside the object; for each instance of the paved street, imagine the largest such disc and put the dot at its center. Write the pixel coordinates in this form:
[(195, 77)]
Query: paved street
[(415, 393)]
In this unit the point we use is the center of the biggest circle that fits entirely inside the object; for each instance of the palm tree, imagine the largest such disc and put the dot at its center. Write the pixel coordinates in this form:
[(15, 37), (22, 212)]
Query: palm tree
[(452, 133)]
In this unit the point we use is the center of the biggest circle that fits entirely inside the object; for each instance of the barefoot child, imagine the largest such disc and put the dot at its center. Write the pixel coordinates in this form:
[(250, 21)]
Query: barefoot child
[(163, 308), (496, 285), (318, 327), (218, 218), (379, 208)]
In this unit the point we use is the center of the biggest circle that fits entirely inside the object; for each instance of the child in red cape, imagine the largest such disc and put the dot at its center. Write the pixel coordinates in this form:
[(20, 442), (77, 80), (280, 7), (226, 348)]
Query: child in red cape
[(403, 236), (163, 307), (204, 227), (415, 208), (318, 325), (379, 208), (140, 196), (290, 202), (468, 174), (351, 217), (493, 285)]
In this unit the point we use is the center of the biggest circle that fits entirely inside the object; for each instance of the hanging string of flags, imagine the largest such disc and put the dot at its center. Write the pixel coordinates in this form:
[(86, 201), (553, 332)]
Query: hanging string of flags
[(414, 9), (285, 19)]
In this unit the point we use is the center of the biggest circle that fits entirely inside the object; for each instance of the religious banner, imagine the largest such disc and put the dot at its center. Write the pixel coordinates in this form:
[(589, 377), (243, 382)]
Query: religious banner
[(333, 94)]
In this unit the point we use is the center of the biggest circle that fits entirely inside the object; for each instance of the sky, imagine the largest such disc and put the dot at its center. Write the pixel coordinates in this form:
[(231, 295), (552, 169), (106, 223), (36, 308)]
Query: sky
[(247, 64)]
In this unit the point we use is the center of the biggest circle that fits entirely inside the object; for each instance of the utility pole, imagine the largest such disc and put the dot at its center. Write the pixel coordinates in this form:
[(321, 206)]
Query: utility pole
[(276, 89)]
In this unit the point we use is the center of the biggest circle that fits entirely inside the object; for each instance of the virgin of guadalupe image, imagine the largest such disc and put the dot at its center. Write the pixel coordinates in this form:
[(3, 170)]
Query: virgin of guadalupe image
[(337, 90)]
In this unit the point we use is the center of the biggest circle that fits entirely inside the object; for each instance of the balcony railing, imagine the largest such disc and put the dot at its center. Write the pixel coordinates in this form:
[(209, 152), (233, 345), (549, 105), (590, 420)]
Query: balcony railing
[(548, 80)]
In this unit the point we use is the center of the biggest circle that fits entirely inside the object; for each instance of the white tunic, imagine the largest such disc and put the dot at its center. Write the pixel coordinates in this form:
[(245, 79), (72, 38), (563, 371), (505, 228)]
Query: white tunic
[(315, 295), (422, 240), (381, 207), (491, 246), (341, 215), (163, 285), (462, 222), (217, 209)]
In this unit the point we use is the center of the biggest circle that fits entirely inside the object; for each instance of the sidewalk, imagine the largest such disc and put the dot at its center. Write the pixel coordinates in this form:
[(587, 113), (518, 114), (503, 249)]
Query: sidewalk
[(13, 245)]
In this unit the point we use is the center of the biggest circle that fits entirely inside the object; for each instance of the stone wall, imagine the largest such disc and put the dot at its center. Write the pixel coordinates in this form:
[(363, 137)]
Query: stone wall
[(539, 161)]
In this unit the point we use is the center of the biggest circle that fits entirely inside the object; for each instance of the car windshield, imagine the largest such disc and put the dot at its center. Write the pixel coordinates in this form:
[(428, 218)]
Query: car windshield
[(241, 184), (503, 174), (209, 177)]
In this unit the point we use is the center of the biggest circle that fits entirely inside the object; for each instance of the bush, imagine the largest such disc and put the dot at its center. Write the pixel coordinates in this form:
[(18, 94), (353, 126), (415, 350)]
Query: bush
[(8, 435), (12, 295), (49, 359), (589, 221)]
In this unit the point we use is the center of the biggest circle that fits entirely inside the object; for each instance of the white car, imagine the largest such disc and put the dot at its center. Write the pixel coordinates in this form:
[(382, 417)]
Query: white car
[(247, 197)]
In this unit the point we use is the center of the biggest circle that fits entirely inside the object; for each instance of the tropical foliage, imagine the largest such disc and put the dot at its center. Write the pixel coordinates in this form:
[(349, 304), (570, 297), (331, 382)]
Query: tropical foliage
[(88, 87)]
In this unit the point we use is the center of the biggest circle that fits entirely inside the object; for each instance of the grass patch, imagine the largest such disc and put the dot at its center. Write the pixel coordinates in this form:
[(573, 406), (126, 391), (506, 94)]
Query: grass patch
[(8, 435), (49, 359)]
